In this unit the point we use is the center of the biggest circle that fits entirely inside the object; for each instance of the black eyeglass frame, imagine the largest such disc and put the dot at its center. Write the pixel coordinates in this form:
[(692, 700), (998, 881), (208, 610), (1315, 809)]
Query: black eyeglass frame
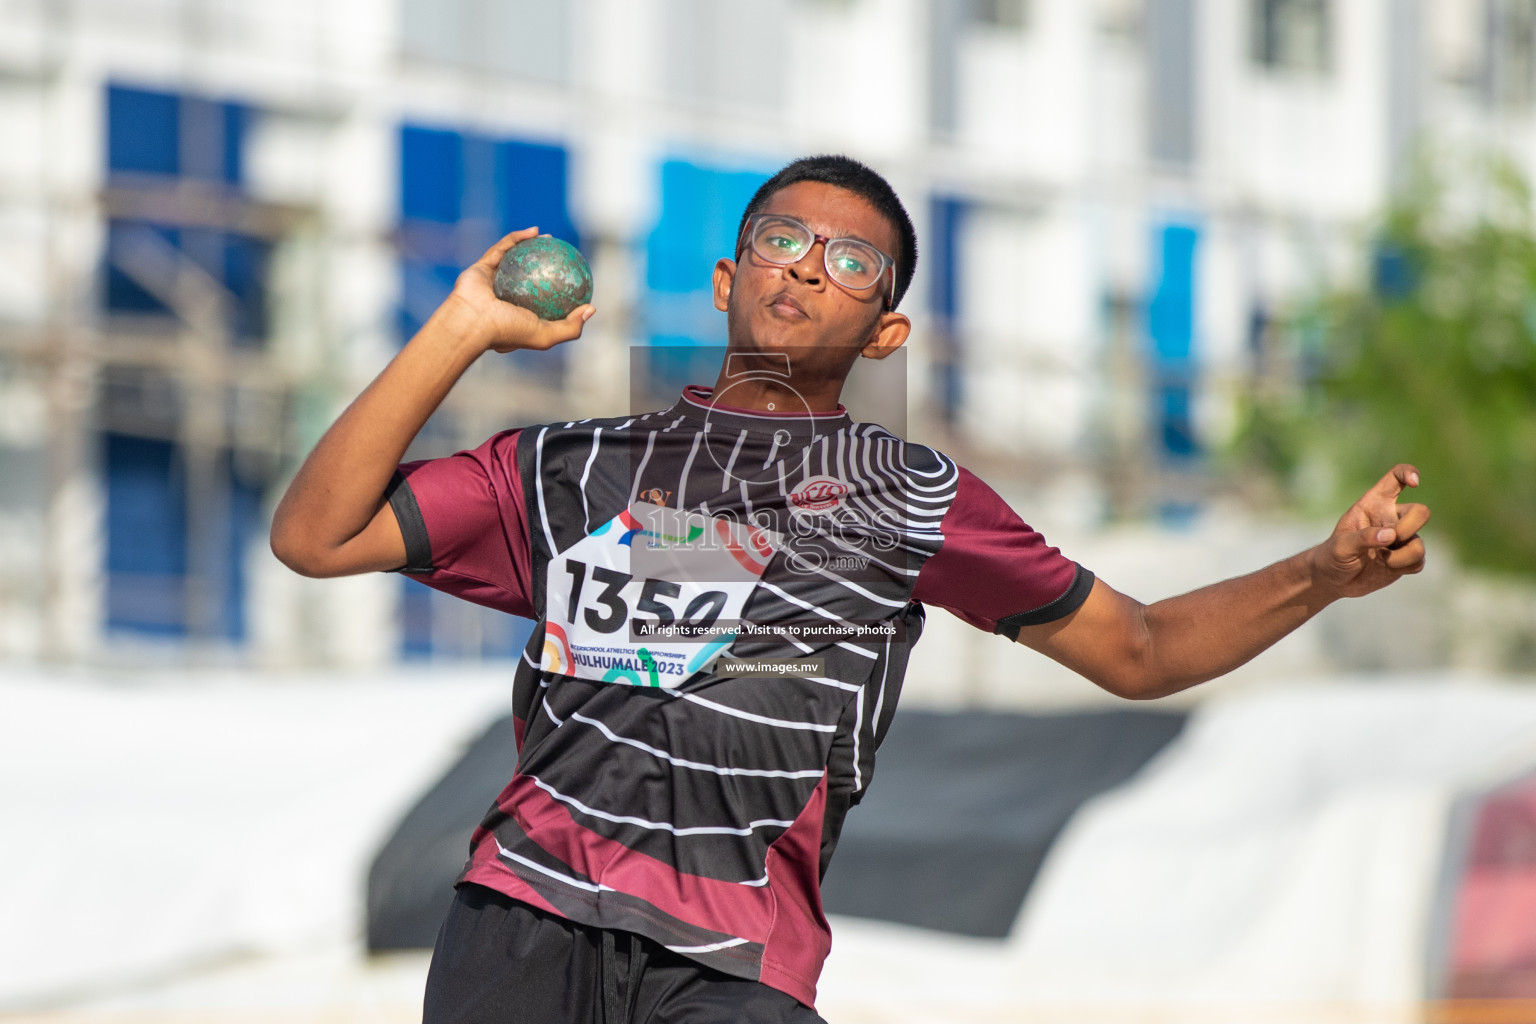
[(749, 231)]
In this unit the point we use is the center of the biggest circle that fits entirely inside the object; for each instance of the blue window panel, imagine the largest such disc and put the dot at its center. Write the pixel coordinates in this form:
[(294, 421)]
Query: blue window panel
[(532, 186), (238, 262), (479, 192), (948, 222), (948, 216), (1176, 426), (701, 210), (461, 191), (431, 174), (146, 536), (121, 293), (496, 185), (1171, 334), (236, 120), (147, 540), (1171, 313), (146, 506), (150, 132), (143, 131), (187, 137), (675, 256), (245, 265), (212, 140), (182, 136)]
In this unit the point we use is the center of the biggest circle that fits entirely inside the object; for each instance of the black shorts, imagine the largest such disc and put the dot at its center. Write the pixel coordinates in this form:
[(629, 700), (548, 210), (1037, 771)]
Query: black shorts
[(500, 961)]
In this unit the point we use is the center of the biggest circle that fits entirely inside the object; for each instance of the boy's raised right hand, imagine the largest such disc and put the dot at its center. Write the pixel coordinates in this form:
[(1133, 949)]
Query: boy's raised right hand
[(475, 313)]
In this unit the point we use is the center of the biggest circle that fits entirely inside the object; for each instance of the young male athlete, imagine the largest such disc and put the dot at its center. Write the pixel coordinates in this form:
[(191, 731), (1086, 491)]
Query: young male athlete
[(725, 592)]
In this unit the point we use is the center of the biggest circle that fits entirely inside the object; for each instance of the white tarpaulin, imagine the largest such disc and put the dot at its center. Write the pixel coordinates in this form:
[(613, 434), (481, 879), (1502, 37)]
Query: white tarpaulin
[(1283, 850), (151, 824)]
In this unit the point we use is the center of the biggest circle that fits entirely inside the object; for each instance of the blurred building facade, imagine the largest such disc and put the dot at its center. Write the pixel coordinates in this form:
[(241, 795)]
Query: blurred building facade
[(220, 219)]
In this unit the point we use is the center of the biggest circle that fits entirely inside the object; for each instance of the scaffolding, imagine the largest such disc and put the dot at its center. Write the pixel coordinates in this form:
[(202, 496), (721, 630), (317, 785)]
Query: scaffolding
[(235, 388)]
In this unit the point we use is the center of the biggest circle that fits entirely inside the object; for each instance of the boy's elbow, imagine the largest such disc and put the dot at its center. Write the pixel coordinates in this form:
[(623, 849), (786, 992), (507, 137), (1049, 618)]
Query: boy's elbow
[(1132, 685), (1133, 673), (300, 557), (1142, 680), (1148, 689)]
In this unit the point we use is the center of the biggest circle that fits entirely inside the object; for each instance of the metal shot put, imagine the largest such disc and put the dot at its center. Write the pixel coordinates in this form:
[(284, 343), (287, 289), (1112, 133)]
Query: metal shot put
[(544, 275)]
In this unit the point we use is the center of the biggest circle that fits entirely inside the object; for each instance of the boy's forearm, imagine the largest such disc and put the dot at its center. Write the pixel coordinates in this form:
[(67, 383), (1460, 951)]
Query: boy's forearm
[(331, 521), (1208, 632)]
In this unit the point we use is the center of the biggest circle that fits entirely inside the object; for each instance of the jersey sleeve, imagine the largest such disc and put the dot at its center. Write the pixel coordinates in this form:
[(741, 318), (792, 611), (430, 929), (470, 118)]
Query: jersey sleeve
[(466, 526), (994, 570)]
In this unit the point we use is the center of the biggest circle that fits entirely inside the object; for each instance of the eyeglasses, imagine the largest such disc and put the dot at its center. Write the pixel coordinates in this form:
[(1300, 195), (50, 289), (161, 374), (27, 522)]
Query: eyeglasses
[(851, 263)]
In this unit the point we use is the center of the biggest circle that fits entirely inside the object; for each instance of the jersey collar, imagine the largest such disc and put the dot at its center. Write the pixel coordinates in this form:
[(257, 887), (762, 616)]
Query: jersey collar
[(698, 403)]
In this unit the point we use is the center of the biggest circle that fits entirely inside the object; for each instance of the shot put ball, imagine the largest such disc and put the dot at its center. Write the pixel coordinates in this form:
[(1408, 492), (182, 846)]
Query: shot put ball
[(544, 275)]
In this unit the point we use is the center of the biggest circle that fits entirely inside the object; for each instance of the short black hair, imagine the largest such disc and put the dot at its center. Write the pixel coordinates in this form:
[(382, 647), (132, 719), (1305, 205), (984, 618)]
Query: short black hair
[(846, 172)]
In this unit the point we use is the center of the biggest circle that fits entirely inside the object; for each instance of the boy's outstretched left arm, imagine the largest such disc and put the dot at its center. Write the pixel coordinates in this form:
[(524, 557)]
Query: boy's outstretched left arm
[(1144, 651)]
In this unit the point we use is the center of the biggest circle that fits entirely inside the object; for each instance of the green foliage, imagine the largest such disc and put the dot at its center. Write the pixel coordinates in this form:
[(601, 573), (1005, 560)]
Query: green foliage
[(1433, 362)]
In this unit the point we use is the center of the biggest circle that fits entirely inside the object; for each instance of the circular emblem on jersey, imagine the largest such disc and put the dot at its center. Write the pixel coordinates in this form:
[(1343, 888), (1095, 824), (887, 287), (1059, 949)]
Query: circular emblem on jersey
[(818, 494)]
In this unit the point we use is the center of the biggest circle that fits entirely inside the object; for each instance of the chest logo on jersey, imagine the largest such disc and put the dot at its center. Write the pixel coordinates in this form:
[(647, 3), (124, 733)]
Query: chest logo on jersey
[(651, 597), (818, 494)]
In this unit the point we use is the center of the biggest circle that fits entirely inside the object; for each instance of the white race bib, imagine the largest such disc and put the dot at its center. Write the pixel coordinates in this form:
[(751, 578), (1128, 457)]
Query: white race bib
[(651, 569)]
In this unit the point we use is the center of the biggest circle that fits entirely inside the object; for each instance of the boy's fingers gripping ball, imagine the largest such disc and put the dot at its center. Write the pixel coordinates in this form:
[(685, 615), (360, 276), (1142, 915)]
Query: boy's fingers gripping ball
[(544, 275)]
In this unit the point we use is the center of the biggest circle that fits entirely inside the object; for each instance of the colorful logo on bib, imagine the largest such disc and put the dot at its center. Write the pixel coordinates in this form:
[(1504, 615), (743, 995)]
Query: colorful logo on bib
[(657, 539), (818, 494), (633, 528), (557, 650)]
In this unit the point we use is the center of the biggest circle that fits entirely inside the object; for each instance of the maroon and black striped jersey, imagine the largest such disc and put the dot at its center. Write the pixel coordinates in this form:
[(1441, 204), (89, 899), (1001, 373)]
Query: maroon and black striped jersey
[(725, 601)]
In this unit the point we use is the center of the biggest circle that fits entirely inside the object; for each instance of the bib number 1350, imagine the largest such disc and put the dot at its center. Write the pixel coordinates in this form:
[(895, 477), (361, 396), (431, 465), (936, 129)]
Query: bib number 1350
[(602, 597), (651, 597)]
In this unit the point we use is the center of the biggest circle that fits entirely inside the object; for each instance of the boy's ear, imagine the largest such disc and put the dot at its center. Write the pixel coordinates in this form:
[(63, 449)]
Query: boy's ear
[(725, 276), (890, 333)]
